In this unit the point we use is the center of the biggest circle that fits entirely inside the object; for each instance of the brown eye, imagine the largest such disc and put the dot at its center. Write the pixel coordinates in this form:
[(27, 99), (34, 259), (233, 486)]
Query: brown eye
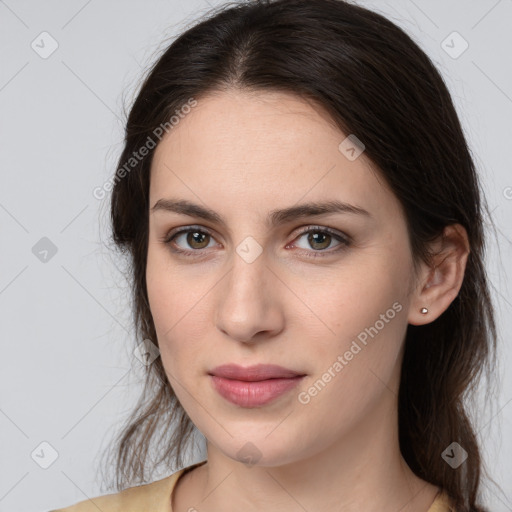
[(189, 240), (196, 239), (319, 240)]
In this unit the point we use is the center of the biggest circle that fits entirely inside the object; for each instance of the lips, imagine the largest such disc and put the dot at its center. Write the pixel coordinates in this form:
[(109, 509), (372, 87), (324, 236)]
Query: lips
[(254, 373), (253, 386)]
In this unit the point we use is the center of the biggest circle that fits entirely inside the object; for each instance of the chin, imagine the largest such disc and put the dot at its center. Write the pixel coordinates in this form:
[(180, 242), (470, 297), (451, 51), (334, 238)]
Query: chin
[(260, 451)]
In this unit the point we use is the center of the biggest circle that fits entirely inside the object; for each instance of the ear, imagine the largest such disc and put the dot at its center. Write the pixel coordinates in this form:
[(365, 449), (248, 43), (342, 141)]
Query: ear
[(439, 285)]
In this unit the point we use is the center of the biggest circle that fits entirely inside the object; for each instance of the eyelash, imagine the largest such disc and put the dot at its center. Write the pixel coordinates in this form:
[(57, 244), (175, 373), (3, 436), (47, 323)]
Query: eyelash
[(345, 241)]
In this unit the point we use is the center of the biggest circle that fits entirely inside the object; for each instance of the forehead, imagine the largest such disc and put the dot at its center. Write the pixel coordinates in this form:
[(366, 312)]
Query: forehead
[(263, 149), (234, 126)]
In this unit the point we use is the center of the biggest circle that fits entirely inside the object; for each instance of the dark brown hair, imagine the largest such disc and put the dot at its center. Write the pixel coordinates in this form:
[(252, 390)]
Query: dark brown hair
[(376, 83)]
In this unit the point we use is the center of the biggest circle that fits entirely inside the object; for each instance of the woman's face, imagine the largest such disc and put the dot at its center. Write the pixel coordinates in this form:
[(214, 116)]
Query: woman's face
[(256, 287)]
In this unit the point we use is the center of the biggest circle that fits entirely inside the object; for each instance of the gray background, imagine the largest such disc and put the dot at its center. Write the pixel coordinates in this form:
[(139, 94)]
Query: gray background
[(68, 374)]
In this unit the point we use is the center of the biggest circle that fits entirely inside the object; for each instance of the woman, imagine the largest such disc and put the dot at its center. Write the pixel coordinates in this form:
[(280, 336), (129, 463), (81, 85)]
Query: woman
[(305, 227)]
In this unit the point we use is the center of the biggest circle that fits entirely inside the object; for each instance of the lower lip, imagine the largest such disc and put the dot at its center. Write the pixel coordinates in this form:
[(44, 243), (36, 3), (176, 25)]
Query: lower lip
[(253, 394)]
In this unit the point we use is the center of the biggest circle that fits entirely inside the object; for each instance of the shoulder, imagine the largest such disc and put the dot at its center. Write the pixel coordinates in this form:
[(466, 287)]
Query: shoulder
[(442, 503), (152, 497)]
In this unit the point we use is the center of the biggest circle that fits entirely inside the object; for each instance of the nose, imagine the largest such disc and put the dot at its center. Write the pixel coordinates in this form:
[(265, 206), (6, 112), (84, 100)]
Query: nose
[(249, 306)]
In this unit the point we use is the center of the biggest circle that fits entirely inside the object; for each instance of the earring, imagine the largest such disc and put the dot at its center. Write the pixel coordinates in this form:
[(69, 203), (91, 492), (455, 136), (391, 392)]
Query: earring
[(424, 311)]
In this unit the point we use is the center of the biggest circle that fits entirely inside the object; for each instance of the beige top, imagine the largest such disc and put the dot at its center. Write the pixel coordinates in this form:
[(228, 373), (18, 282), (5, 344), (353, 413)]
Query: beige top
[(156, 497)]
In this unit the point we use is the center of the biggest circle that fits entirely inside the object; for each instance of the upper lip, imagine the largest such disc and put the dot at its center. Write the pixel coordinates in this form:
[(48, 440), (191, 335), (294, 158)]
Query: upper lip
[(253, 373)]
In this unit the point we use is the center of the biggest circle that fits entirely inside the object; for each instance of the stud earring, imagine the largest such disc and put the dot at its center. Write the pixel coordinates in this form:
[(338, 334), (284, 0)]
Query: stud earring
[(424, 311)]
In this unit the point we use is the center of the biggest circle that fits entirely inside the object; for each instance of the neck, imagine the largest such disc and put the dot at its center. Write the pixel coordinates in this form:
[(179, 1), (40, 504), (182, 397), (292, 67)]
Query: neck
[(363, 471)]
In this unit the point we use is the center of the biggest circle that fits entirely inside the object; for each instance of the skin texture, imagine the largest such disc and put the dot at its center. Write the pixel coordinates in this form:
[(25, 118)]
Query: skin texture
[(243, 155)]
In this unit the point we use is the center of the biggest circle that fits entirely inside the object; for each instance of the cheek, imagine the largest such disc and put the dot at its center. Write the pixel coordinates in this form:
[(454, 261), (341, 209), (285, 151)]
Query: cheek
[(178, 307), (363, 323), (351, 299), (168, 295), (355, 369)]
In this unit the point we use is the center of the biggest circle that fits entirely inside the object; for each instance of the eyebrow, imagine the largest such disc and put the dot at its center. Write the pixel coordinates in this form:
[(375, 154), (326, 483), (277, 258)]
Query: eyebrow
[(274, 217)]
